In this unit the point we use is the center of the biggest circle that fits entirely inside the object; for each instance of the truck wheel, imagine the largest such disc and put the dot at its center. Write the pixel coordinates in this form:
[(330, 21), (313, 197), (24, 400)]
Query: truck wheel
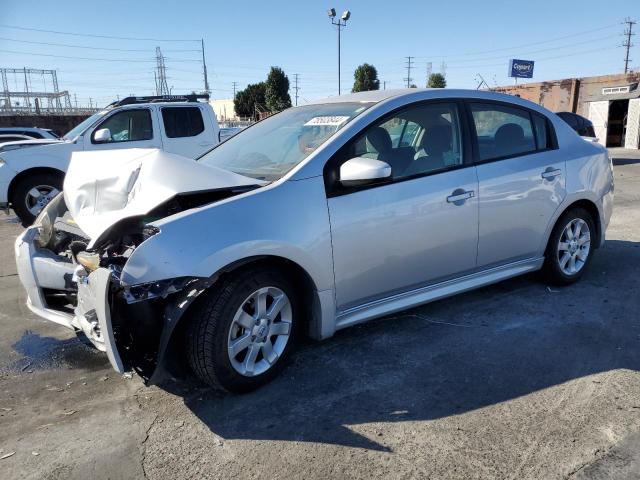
[(241, 333), (32, 193), (569, 251)]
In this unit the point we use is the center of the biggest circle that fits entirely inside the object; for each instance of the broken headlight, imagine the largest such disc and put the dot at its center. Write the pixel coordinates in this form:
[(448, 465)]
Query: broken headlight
[(44, 221)]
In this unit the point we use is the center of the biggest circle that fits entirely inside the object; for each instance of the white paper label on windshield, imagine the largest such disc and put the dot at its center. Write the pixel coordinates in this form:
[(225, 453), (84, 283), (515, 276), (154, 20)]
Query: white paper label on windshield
[(333, 121)]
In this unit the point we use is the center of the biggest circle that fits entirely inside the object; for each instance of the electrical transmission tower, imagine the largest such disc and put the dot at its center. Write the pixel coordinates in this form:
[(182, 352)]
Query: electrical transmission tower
[(628, 33), (429, 71), (409, 63), (296, 88), (161, 74), (235, 85)]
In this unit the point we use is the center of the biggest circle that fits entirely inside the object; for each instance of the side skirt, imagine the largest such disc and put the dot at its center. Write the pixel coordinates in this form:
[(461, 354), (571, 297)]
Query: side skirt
[(405, 300)]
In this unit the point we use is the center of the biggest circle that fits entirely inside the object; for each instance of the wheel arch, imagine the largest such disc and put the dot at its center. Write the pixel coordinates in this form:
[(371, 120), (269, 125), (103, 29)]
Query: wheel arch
[(588, 205), (171, 354), (27, 173)]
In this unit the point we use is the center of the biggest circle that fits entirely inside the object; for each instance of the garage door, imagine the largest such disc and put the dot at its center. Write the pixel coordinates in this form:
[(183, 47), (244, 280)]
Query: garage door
[(598, 114)]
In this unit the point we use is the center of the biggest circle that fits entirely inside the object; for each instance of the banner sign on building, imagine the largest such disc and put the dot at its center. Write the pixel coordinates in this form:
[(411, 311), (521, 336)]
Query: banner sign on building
[(521, 68)]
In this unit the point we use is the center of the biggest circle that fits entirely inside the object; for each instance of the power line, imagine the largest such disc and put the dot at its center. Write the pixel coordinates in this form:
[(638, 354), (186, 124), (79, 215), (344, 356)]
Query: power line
[(627, 43), (137, 60), (577, 34), (57, 32), (69, 45)]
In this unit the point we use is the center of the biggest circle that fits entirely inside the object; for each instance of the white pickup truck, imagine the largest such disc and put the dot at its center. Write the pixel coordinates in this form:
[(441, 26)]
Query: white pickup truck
[(32, 172)]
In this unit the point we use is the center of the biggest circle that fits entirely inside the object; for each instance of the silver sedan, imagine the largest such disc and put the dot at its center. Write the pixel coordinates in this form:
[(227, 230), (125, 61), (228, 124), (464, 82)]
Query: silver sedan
[(315, 219)]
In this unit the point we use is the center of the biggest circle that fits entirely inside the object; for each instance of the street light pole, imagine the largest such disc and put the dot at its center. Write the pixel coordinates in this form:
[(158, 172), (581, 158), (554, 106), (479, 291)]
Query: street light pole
[(340, 23)]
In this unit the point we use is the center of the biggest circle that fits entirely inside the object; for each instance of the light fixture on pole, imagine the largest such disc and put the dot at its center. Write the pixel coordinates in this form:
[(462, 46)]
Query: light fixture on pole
[(340, 23)]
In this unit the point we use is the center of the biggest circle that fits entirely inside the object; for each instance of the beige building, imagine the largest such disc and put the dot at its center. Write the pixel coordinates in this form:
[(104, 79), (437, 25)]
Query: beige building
[(224, 109), (611, 102)]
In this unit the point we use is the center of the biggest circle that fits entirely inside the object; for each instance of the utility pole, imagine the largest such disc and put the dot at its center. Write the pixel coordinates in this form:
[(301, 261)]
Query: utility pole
[(627, 43), (384, 84), (235, 85), (204, 70), (340, 23), (296, 88), (409, 63)]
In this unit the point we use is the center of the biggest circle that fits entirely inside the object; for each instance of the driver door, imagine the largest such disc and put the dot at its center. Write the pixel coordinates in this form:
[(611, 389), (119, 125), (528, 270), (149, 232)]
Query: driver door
[(419, 227), (130, 128)]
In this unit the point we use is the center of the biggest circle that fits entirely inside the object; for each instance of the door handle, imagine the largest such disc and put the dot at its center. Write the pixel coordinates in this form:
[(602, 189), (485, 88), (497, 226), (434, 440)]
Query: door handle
[(551, 173), (458, 196)]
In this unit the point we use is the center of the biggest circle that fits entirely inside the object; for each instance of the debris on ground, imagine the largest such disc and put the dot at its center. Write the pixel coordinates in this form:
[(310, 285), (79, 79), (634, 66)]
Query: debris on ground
[(7, 455), (127, 375)]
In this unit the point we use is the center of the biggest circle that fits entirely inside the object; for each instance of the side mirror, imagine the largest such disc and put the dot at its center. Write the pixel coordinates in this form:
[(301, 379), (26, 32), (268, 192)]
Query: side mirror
[(362, 171), (101, 136)]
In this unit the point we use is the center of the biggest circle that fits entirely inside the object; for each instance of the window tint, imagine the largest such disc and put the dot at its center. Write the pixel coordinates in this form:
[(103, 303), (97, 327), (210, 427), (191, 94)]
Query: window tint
[(542, 131), (32, 134), (182, 121), (418, 140), (128, 126), (502, 131), (570, 118)]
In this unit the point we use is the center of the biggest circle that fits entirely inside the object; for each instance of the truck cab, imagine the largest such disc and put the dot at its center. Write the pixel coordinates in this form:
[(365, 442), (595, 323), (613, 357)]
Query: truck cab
[(31, 174)]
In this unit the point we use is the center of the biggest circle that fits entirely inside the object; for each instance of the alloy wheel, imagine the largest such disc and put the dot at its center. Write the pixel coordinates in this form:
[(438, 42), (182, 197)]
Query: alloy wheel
[(38, 197), (574, 246), (260, 331)]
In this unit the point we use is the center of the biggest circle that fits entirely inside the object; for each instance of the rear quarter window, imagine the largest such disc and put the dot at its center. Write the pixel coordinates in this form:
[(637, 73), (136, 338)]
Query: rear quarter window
[(182, 121)]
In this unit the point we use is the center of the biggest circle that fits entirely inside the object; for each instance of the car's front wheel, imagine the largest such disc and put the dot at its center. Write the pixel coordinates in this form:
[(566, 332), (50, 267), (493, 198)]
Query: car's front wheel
[(570, 250), (241, 333)]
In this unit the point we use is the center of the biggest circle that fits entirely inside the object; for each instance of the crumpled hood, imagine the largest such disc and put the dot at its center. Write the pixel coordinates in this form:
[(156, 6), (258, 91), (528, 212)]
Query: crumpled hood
[(103, 187)]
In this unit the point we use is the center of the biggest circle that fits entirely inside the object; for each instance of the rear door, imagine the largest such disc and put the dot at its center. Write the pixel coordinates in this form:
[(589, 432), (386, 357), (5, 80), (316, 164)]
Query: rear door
[(521, 176), (185, 130)]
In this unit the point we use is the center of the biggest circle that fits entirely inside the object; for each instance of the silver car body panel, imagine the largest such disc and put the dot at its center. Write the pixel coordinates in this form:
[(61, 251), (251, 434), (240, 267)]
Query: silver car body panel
[(373, 252)]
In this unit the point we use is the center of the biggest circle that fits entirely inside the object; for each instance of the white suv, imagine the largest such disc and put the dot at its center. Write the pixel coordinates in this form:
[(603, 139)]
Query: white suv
[(32, 172)]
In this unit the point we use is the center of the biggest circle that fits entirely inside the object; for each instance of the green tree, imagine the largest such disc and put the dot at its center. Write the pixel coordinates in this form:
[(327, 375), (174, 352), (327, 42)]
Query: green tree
[(366, 78), (436, 80), (277, 90), (247, 99)]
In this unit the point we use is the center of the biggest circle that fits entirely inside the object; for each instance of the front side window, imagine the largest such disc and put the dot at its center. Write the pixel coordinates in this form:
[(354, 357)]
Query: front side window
[(128, 126), (502, 131), (418, 140), (182, 121), (272, 147)]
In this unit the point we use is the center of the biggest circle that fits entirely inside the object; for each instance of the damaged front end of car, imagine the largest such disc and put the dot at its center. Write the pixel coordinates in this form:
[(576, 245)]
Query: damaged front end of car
[(76, 280)]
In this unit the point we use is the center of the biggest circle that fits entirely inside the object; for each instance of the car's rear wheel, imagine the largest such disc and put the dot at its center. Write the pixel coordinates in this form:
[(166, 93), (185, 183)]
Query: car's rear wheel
[(241, 333), (32, 193), (570, 250)]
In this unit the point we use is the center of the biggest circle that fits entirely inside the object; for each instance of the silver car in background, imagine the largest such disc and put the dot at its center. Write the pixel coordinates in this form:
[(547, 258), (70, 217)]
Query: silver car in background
[(315, 219)]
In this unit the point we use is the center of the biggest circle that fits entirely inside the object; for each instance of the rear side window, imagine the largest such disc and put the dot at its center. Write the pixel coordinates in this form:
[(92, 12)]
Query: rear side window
[(182, 121), (502, 131), (542, 131)]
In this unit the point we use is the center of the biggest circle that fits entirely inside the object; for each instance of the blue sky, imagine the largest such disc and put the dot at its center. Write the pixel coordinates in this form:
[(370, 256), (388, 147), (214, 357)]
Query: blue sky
[(242, 39)]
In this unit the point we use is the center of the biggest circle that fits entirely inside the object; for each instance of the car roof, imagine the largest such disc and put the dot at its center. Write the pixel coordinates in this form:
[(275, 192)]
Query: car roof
[(377, 96)]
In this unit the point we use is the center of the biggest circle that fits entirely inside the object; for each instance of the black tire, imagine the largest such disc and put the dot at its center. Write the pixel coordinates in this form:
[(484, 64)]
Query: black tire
[(210, 321), (552, 271), (24, 185)]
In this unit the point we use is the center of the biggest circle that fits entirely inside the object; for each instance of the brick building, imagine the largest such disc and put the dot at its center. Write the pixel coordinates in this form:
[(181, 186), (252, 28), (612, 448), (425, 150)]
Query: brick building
[(611, 102)]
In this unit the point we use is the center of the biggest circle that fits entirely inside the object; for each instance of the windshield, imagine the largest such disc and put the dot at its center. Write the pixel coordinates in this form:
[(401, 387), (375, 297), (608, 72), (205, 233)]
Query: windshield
[(78, 129), (271, 148)]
